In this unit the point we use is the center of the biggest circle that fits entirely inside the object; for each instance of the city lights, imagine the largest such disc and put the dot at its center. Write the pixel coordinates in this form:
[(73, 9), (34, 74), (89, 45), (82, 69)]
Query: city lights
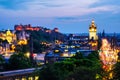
[(108, 56)]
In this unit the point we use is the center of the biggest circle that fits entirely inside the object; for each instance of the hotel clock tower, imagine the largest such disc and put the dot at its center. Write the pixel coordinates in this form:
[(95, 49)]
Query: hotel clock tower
[(93, 31)]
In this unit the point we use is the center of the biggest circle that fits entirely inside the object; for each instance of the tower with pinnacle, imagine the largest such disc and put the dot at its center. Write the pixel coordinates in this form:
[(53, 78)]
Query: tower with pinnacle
[(93, 31)]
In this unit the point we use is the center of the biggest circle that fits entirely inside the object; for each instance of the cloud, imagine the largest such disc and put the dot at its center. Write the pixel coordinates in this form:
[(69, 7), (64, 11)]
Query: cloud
[(55, 8), (70, 19)]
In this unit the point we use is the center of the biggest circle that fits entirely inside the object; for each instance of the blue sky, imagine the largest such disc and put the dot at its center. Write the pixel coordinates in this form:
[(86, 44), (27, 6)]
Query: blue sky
[(70, 16)]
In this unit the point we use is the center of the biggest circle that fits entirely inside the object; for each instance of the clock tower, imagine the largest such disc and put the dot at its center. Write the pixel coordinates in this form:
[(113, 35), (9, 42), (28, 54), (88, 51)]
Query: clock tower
[(93, 31)]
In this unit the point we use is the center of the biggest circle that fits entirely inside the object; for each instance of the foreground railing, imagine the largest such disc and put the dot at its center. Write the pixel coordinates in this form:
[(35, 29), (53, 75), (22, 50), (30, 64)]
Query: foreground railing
[(23, 74)]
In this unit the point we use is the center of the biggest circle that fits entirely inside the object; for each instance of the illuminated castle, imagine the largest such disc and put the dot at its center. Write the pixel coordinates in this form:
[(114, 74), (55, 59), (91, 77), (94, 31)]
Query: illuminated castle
[(93, 31), (26, 27)]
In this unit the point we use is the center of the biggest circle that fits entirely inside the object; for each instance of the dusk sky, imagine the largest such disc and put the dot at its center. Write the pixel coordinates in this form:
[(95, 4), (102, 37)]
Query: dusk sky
[(70, 16)]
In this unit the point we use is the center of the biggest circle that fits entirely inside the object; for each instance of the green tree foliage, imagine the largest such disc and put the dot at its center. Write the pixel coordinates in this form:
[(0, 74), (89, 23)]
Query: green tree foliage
[(48, 73), (85, 62), (82, 73), (2, 62), (116, 71), (22, 48), (78, 55), (40, 36), (19, 61), (38, 47), (65, 65), (75, 68), (57, 71), (94, 55)]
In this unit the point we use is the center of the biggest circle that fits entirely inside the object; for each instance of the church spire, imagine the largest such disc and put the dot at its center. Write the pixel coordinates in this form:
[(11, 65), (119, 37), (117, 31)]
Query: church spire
[(103, 33)]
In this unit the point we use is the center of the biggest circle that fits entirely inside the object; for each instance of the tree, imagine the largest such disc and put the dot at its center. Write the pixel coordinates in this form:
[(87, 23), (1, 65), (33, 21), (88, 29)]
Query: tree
[(116, 71), (22, 48), (48, 73), (84, 62), (94, 55), (78, 55), (76, 68), (19, 61), (82, 73), (65, 65), (2, 62), (1, 41), (86, 69), (57, 71)]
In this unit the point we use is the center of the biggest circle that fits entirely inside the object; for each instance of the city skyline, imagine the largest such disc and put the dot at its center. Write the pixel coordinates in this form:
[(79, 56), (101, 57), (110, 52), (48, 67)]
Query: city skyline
[(69, 16)]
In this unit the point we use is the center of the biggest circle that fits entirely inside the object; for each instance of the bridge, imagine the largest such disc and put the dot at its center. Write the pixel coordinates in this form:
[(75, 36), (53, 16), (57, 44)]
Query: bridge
[(23, 74)]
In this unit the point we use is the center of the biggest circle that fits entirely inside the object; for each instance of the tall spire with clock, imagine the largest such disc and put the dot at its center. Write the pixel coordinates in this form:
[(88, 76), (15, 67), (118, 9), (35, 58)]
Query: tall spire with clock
[(93, 31)]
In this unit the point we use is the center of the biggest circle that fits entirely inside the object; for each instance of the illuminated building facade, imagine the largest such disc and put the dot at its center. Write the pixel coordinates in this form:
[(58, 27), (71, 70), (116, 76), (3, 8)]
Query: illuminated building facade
[(9, 36), (7, 44), (78, 39), (22, 37), (93, 31)]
